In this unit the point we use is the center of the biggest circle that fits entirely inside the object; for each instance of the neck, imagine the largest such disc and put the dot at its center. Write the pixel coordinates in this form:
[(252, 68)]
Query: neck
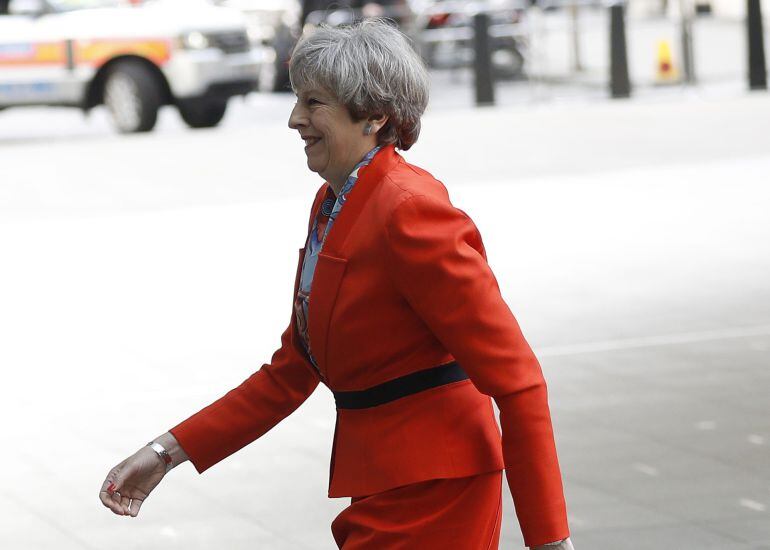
[(337, 186), (338, 182)]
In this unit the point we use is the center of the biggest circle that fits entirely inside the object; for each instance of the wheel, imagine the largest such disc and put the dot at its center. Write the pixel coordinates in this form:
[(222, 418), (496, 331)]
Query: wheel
[(508, 62), (133, 96), (203, 113)]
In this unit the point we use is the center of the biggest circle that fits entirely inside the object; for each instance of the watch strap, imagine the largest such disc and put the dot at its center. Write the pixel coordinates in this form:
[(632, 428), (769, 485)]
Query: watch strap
[(162, 453)]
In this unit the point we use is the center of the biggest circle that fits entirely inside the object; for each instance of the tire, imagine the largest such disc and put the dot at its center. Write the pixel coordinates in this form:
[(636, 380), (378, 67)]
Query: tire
[(508, 62), (132, 94), (203, 113)]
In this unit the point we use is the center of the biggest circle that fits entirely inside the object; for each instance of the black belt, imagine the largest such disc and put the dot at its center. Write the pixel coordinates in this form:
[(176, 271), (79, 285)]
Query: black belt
[(400, 387)]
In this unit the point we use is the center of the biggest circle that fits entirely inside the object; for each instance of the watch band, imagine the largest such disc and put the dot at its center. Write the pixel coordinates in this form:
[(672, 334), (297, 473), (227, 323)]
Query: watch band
[(162, 453)]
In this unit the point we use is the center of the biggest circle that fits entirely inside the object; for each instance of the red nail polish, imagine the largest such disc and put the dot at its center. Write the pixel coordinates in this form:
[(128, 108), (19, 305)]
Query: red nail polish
[(111, 488)]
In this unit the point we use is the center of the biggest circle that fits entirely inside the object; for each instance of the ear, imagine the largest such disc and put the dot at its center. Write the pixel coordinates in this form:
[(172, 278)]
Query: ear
[(377, 121)]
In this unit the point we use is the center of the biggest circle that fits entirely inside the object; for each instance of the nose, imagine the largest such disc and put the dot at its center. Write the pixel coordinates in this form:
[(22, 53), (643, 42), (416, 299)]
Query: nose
[(298, 117)]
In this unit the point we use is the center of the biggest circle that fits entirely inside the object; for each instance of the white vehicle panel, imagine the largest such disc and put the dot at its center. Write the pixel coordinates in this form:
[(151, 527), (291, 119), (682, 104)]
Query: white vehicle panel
[(188, 73), (33, 66)]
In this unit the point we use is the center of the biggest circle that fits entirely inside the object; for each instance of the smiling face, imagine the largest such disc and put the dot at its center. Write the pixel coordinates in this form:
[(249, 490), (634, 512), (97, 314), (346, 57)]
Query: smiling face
[(334, 142)]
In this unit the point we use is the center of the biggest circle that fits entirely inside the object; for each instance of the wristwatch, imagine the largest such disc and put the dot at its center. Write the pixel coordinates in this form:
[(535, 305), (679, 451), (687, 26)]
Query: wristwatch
[(162, 453)]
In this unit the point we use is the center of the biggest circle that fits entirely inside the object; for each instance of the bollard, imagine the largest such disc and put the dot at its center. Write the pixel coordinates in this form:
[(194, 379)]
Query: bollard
[(482, 65), (577, 63), (757, 66), (688, 58), (620, 84)]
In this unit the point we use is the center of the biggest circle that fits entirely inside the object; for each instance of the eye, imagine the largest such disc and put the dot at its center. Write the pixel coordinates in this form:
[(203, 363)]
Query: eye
[(313, 101)]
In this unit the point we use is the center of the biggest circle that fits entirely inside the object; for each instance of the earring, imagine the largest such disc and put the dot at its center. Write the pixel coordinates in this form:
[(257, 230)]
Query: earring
[(368, 129)]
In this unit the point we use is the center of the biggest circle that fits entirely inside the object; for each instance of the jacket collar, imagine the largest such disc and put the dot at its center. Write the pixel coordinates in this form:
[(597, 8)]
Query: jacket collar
[(369, 177)]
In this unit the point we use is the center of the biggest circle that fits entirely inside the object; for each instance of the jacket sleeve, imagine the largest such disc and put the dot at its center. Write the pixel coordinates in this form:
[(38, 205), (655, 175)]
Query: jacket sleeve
[(437, 261), (250, 410)]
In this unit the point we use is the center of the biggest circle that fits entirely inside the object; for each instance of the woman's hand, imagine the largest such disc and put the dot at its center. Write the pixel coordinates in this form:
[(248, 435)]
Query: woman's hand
[(129, 483)]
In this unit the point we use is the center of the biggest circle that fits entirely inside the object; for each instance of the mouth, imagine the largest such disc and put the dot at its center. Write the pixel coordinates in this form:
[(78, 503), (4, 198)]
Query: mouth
[(310, 141)]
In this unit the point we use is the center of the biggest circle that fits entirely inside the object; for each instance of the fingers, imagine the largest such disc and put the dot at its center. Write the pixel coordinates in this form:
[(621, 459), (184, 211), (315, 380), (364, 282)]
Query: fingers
[(136, 503), (115, 502), (119, 491), (110, 491), (106, 499), (111, 499), (120, 504), (107, 493)]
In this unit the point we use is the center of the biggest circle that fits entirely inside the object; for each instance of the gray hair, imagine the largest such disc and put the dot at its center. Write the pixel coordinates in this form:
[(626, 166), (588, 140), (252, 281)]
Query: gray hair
[(371, 68)]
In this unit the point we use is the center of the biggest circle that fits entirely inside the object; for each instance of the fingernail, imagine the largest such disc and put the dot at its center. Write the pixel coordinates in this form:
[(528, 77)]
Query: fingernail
[(111, 488)]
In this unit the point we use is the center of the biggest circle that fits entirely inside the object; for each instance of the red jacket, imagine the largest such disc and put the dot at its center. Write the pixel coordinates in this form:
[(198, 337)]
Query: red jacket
[(402, 284)]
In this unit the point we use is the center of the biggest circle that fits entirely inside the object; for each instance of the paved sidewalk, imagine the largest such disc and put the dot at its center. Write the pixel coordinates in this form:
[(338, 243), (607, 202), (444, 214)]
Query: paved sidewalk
[(143, 277)]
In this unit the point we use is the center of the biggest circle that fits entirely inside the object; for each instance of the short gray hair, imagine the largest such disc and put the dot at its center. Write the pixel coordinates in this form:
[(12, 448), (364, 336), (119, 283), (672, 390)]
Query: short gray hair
[(371, 68)]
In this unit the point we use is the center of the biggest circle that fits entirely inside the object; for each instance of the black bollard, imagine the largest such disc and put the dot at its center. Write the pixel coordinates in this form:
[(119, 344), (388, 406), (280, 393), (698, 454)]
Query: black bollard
[(482, 65), (688, 57), (757, 66), (620, 84)]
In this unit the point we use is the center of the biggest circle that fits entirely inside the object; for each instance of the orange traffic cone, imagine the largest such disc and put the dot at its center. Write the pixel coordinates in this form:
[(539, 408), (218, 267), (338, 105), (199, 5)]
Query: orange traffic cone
[(666, 72)]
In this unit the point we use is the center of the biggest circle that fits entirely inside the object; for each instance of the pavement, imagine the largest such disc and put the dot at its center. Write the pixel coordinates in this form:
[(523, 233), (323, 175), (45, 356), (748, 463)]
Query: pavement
[(144, 276)]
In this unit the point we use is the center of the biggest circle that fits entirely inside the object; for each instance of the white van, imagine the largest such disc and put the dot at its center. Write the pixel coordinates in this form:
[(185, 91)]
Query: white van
[(132, 58)]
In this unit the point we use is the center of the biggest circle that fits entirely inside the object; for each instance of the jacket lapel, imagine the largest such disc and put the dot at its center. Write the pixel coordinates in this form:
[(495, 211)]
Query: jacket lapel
[(313, 213), (369, 178), (332, 261)]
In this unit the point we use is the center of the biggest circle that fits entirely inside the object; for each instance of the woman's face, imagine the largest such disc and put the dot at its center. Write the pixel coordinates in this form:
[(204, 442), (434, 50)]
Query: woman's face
[(334, 142)]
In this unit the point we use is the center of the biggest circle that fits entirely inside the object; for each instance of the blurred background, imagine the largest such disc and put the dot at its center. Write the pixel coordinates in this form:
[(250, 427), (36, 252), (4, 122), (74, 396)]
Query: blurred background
[(615, 156)]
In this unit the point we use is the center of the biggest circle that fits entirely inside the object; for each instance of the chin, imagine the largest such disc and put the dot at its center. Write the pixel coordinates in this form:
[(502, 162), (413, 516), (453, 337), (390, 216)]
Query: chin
[(311, 166), (316, 167)]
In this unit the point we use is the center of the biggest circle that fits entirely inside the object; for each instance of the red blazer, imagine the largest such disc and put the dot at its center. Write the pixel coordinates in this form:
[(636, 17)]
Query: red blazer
[(402, 284)]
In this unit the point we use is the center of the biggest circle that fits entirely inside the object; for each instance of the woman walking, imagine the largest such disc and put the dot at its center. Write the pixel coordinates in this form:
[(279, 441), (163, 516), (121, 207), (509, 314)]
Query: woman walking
[(397, 312)]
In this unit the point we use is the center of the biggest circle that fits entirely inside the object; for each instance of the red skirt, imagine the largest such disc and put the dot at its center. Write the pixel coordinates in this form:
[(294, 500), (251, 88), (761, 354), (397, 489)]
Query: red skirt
[(462, 514)]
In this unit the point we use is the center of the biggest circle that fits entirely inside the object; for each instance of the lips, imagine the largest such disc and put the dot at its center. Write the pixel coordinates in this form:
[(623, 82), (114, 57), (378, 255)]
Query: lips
[(310, 141)]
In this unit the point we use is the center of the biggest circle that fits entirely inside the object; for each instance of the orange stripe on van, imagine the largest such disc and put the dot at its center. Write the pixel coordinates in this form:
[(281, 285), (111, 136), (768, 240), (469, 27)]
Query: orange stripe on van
[(97, 52)]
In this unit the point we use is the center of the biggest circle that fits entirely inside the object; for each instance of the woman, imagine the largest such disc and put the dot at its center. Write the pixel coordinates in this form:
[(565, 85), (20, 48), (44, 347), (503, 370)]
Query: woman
[(398, 313)]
